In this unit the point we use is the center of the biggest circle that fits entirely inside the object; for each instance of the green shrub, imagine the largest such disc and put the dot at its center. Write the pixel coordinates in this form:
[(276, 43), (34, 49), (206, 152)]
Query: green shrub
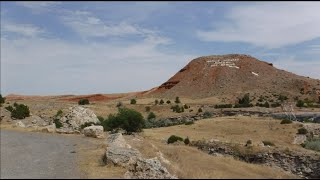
[(9, 108), (83, 101), (151, 115), (199, 110), (282, 98), (2, 99), (133, 101), (119, 104), (57, 123), (189, 123), (300, 103), (219, 106), (59, 113), (267, 143), (186, 141), (186, 106), (161, 102), (207, 115), (276, 104), (302, 131), (148, 108), (168, 102), (286, 121), (127, 119), (249, 142), (242, 105), (156, 102), (245, 99), (174, 138), (313, 144), (177, 100), (19, 111)]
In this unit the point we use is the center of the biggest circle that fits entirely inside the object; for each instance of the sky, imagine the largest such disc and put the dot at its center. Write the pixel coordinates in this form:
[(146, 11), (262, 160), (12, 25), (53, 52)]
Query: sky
[(56, 48)]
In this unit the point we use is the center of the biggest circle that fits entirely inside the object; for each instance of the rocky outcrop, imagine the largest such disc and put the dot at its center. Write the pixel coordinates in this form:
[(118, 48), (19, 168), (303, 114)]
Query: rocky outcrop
[(19, 124), (140, 168), (299, 139), (78, 116), (94, 131), (119, 153), (300, 164)]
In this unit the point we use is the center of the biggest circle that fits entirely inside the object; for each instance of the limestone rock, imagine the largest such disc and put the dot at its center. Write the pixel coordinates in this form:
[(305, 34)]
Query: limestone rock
[(139, 168), (78, 116), (120, 156), (94, 131), (117, 140), (299, 139), (19, 124), (49, 128)]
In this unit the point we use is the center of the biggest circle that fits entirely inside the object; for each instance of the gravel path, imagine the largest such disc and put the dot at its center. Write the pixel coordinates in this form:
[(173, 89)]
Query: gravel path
[(39, 155)]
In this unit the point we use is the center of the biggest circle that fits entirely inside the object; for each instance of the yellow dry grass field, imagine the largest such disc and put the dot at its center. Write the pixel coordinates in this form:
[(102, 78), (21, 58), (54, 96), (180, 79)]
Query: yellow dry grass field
[(189, 162), (236, 129)]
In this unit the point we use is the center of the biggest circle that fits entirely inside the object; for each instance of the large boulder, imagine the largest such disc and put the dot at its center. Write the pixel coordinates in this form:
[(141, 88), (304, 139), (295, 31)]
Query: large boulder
[(299, 139), (19, 124), (120, 156), (117, 140), (49, 128), (94, 131), (78, 116), (140, 168)]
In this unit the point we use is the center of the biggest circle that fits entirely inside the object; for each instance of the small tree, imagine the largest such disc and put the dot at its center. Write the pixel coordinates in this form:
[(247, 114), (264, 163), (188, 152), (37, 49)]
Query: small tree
[(199, 110), (2, 99), (186, 141), (83, 101), (300, 103), (174, 138), (168, 102), (151, 116), (161, 102), (186, 106), (20, 111), (133, 101), (119, 104), (156, 102), (148, 108), (302, 131), (177, 100)]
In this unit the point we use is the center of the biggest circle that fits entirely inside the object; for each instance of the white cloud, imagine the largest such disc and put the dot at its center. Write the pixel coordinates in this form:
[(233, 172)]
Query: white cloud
[(21, 29), (300, 67), (38, 6), (270, 25), (88, 25)]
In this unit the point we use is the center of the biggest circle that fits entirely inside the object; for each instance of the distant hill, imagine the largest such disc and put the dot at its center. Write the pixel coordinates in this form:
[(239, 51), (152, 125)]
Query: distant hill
[(230, 76)]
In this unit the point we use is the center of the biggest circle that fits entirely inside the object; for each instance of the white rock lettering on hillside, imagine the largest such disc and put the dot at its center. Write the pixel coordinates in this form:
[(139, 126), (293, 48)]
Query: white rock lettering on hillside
[(224, 62)]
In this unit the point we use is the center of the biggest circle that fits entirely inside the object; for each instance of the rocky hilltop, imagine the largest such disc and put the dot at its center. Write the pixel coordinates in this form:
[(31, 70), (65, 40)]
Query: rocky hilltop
[(233, 75)]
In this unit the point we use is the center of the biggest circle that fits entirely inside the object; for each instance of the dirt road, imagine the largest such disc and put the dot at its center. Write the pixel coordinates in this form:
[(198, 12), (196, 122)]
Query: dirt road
[(39, 155)]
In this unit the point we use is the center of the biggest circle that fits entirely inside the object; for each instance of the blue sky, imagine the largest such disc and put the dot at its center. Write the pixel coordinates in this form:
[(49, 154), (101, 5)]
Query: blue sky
[(51, 48)]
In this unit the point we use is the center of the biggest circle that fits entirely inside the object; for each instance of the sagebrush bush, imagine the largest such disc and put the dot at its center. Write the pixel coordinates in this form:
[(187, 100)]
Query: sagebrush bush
[(302, 131), (286, 121), (177, 100), (186, 141), (161, 102), (156, 102), (168, 102), (83, 101), (207, 114), (101, 119), (174, 138), (148, 108), (151, 115), (57, 123), (199, 110), (189, 123), (218, 106), (313, 144), (119, 104), (133, 101), (268, 143)]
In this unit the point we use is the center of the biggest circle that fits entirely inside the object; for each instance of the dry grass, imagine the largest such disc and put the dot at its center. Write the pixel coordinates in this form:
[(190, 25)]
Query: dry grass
[(189, 162), (233, 130), (91, 164)]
